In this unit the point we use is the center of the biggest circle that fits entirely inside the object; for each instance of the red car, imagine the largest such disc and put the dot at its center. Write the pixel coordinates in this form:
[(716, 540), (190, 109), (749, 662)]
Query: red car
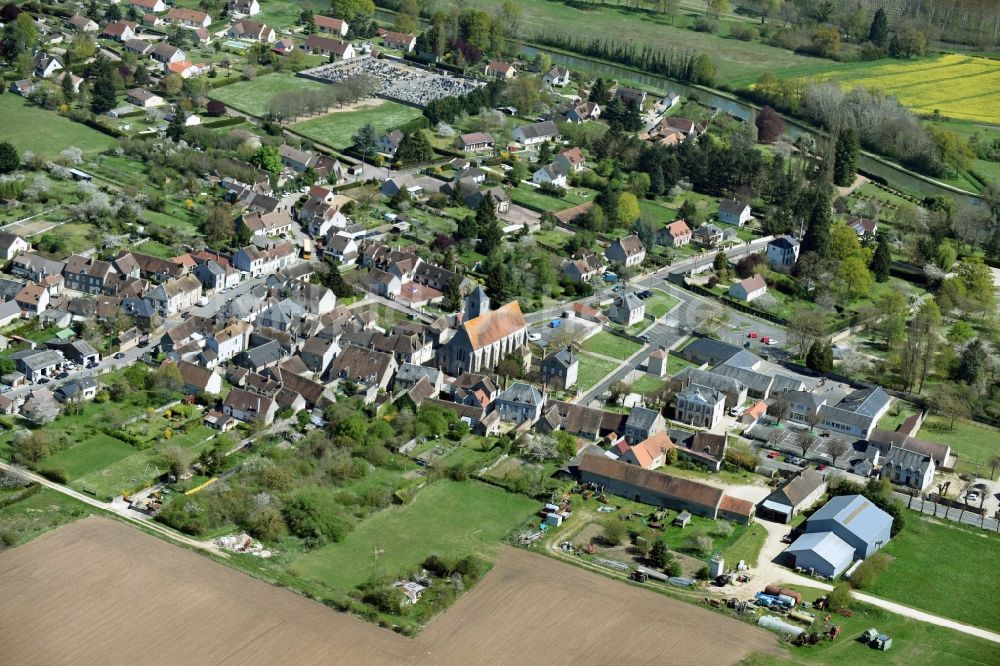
[(752, 335), (820, 467), (766, 340), (772, 454)]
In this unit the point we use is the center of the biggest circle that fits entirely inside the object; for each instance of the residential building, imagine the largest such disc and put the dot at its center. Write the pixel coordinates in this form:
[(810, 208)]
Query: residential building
[(249, 407), (498, 69), (12, 245), (674, 234), (475, 141), (702, 448), (560, 369), (903, 467), (403, 41), (865, 228), (734, 390), (857, 413), (188, 18), (326, 46), (166, 54), (707, 235), (77, 390), (150, 6), (734, 212), (144, 98), (557, 76), (35, 267), (886, 439), (139, 47), (642, 423), (782, 252), (365, 367), (389, 143), (253, 31), (227, 342), (550, 174), (175, 295), (578, 113), (33, 298), (649, 453), (584, 267), (276, 223), (121, 31), (627, 251), (577, 420), (535, 133), (749, 289), (631, 97), (46, 65), (82, 23), (249, 8), (257, 262), (80, 352), (627, 309), (333, 26), (199, 380), (700, 406), (519, 403)]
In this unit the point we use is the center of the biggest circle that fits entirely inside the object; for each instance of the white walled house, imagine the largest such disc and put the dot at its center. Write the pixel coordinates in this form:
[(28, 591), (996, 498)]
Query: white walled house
[(782, 252), (734, 212), (749, 289)]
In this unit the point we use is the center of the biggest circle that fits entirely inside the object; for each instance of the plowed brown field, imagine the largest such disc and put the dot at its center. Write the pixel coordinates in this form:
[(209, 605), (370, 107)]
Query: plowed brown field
[(99, 592)]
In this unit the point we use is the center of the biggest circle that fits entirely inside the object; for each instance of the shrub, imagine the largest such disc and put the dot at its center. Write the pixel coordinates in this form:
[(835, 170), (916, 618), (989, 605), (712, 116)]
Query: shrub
[(870, 570), (705, 24), (723, 529), (614, 532), (56, 474), (840, 597)]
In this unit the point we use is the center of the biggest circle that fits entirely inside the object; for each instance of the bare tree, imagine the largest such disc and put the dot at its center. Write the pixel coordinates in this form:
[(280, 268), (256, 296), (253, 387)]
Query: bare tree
[(993, 462), (838, 449), (779, 407), (803, 441)]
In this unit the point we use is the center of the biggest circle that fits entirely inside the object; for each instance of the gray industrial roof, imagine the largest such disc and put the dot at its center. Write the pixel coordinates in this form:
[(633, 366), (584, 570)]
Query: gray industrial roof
[(857, 514), (826, 545)]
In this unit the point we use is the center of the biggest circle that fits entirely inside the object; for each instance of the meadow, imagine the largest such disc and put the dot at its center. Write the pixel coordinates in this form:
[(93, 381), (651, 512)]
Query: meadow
[(252, 96), (97, 452), (738, 62), (45, 132), (448, 518), (948, 590), (337, 127), (593, 370)]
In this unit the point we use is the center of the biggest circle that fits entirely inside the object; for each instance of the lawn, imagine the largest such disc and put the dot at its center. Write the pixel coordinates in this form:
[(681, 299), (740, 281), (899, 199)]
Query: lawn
[(958, 86), (647, 384), (45, 132), (447, 518), (336, 128), (675, 364), (659, 303), (95, 453), (593, 370), (950, 562), (37, 513), (606, 344), (736, 61), (746, 547), (252, 96)]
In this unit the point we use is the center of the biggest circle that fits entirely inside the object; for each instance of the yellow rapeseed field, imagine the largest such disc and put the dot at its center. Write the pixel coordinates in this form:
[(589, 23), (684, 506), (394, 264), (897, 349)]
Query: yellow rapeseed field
[(960, 87)]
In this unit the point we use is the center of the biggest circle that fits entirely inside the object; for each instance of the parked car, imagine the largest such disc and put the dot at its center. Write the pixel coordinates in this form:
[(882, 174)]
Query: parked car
[(972, 496), (769, 341), (43, 380), (555, 323), (119, 356), (752, 335), (62, 375), (534, 337), (820, 467), (644, 338), (772, 454)]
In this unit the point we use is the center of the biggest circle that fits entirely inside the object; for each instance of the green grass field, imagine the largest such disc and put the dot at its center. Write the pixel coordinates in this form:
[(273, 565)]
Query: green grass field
[(447, 518), (336, 128), (593, 370), (44, 510), (252, 96), (45, 132), (949, 585), (646, 384), (973, 443), (610, 345), (95, 453), (737, 61), (659, 303)]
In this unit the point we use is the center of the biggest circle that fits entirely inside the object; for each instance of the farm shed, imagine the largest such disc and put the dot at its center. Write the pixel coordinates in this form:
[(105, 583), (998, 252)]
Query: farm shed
[(854, 519), (823, 552), (799, 493)]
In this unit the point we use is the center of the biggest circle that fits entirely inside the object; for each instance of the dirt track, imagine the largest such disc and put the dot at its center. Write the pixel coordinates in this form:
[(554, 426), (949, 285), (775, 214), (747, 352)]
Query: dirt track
[(98, 591)]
